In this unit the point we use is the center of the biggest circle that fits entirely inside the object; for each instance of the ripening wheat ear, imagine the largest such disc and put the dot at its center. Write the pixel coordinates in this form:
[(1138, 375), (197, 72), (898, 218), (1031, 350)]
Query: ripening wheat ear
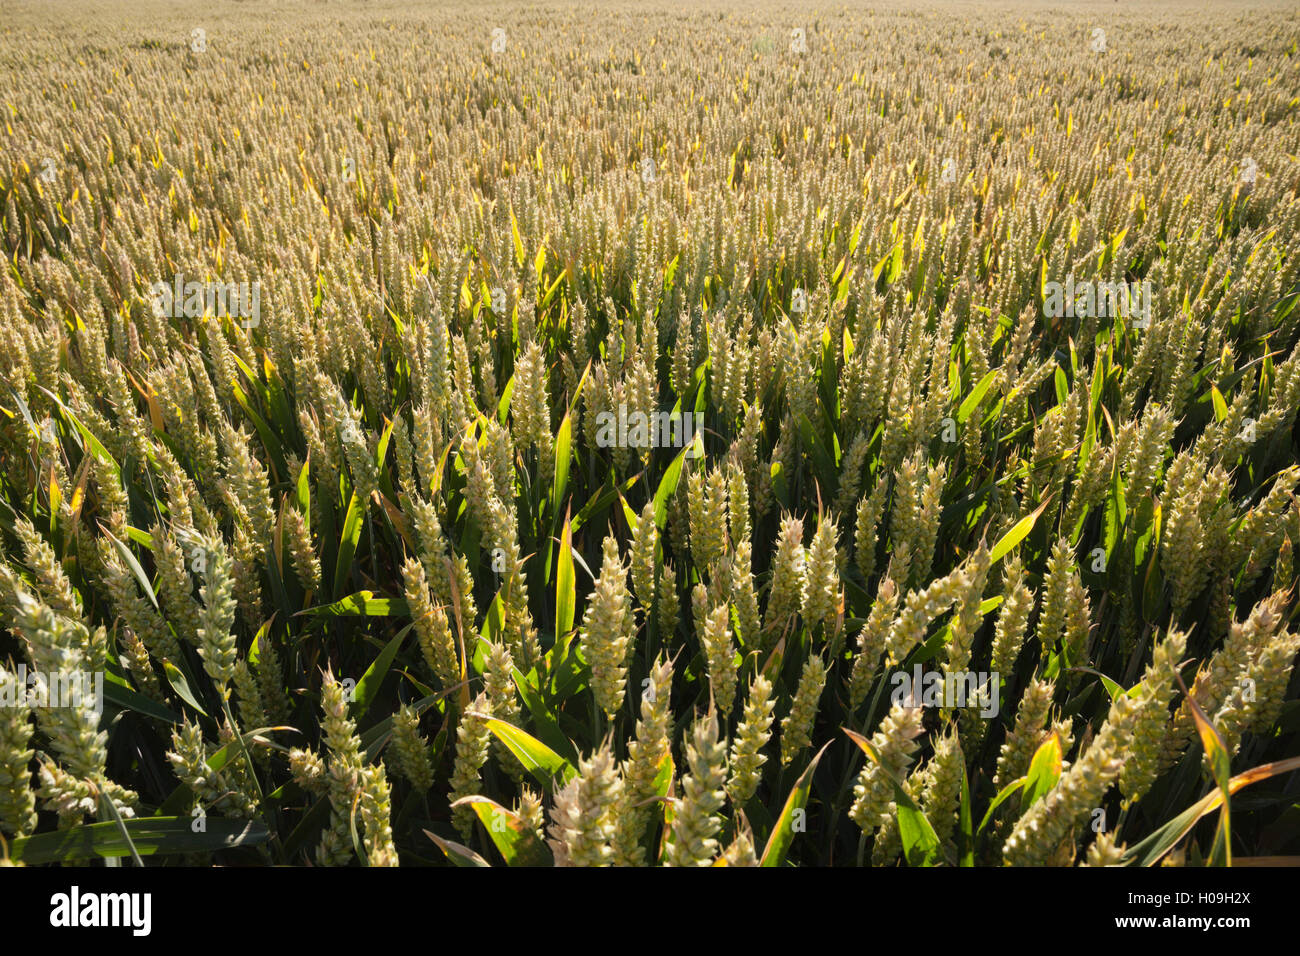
[(472, 740), (894, 744), (57, 646), (741, 852), (1042, 834), (606, 634), (753, 733), (645, 542), (822, 593), (707, 506), (789, 572), (530, 406), (410, 751), (344, 773), (648, 755), (720, 655), (796, 728), (921, 608), (941, 793), (1154, 696), (582, 817), (17, 801), (217, 618), (375, 810), (499, 685), (967, 617), (696, 818), (1255, 702), (1222, 674), (872, 641), (431, 626), (1026, 734), (52, 584), (298, 538), (1106, 850), (134, 610), (1013, 618)]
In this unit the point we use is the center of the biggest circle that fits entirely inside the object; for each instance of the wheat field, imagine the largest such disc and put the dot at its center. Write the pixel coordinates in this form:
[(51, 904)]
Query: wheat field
[(649, 434)]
